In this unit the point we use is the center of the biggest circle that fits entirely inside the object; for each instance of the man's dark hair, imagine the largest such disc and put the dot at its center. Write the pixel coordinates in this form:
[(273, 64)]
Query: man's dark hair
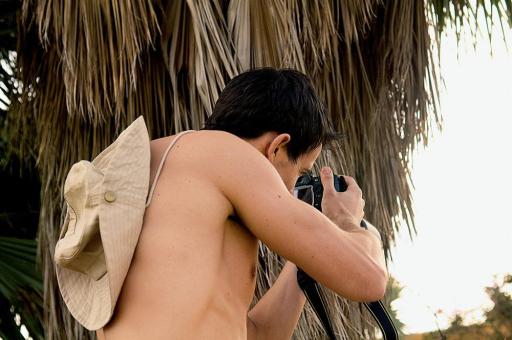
[(280, 100)]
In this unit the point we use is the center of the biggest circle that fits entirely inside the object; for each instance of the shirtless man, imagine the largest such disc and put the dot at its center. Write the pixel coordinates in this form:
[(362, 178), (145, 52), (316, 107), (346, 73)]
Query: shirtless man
[(224, 188)]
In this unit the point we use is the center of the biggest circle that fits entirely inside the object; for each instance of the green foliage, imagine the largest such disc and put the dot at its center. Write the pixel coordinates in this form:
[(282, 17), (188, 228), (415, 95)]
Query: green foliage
[(497, 324), (499, 317), (8, 23), (8, 35), (21, 288), (393, 292), (464, 14), (457, 321)]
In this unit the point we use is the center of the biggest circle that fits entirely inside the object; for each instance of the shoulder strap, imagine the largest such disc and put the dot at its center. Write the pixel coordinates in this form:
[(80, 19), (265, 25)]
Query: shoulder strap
[(162, 164)]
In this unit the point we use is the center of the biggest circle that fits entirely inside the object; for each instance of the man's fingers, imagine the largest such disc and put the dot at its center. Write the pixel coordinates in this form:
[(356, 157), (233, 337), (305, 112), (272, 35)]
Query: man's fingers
[(327, 180), (350, 180), (352, 185)]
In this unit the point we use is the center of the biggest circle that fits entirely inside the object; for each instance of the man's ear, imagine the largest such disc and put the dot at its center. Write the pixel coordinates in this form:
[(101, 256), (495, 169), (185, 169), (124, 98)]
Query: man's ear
[(277, 144)]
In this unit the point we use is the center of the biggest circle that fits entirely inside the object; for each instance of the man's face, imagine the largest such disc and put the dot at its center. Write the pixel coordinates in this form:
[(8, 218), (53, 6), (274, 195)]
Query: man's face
[(290, 171)]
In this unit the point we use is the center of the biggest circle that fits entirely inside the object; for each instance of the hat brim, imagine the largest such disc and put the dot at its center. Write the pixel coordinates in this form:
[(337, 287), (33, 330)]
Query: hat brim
[(92, 302), (125, 165)]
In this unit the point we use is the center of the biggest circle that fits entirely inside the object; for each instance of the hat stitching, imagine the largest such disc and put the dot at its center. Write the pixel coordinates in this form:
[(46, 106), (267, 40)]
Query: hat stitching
[(71, 214), (64, 227)]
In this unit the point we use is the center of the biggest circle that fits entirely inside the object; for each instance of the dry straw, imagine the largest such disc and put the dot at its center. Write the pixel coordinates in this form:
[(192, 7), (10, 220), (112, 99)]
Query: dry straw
[(89, 68)]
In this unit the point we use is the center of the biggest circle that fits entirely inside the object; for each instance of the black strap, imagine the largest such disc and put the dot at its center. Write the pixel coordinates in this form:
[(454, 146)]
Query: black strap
[(381, 315), (310, 288), (376, 309)]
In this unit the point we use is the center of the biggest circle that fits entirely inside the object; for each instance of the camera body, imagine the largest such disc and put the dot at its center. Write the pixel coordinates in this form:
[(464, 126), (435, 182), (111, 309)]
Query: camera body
[(310, 190)]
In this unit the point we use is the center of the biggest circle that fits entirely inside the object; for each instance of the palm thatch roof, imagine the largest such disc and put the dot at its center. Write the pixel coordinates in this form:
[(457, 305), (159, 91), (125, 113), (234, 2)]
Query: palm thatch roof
[(87, 69)]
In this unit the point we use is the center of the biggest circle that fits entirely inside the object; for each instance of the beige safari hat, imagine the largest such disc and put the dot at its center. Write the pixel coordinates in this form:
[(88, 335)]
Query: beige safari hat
[(105, 201)]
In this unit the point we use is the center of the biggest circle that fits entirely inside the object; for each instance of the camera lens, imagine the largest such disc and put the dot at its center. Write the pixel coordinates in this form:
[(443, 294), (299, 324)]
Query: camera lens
[(304, 193)]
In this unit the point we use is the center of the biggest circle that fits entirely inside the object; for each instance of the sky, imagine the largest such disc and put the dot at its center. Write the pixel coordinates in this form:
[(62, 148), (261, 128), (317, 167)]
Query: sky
[(462, 192)]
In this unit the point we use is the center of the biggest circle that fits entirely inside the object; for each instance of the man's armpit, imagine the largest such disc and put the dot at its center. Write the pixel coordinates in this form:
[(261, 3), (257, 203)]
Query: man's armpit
[(252, 333)]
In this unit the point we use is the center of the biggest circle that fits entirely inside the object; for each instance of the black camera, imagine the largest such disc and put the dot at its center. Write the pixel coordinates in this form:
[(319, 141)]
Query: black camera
[(310, 190)]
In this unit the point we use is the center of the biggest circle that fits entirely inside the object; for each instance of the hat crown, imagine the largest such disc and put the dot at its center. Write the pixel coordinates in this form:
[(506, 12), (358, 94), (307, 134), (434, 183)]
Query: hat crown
[(80, 249), (83, 180)]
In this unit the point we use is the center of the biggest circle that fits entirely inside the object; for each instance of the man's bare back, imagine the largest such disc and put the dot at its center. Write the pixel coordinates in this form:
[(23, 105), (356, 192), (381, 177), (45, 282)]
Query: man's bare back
[(193, 273)]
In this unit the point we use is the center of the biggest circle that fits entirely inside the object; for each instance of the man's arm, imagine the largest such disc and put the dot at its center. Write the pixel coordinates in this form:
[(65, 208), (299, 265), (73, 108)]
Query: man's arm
[(276, 314), (371, 241), (288, 226)]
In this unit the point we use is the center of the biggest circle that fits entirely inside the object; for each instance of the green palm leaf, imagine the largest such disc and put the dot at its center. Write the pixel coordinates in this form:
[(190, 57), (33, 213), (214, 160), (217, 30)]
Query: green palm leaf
[(21, 288)]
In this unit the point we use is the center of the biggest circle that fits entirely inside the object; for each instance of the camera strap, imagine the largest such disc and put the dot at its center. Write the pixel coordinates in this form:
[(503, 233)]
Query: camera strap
[(314, 296)]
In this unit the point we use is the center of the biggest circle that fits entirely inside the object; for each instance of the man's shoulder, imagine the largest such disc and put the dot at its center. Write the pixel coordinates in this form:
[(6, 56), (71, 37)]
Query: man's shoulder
[(202, 140), (210, 154), (218, 136), (225, 158), (222, 146)]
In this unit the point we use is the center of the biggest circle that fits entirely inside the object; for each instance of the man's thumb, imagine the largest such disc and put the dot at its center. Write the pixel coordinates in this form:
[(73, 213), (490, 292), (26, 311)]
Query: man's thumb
[(327, 180)]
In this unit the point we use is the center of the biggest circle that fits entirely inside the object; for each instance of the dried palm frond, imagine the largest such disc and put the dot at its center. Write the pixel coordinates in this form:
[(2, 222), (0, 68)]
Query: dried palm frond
[(467, 14), (89, 68)]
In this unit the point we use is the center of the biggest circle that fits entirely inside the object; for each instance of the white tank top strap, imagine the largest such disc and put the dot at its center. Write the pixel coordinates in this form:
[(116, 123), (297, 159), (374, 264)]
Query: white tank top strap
[(148, 201)]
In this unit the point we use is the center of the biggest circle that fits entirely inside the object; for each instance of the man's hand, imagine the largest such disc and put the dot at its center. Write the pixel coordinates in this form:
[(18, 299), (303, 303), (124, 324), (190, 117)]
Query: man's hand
[(345, 208)]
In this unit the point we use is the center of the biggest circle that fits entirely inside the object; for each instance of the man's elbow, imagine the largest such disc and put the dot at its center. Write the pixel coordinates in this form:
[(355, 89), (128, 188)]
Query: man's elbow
[(370, 288), (376, 289)]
